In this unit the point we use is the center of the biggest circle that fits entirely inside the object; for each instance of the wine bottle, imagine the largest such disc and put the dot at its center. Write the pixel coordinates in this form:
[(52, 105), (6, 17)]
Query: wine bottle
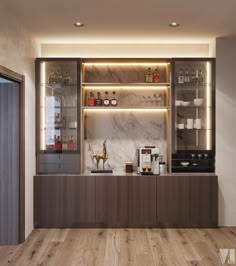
[(114, 101), (156, 77), (98, 100), (149, 76), (106, 101)]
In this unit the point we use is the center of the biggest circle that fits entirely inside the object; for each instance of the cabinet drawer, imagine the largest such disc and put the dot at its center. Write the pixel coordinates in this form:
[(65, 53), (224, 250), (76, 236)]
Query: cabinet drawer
[(59, 168), (48, 168), (59, 158)]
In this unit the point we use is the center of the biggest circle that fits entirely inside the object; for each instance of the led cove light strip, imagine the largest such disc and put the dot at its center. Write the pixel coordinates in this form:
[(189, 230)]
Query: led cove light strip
[(126, 64), (126, 87), (105, 109), (42, 99), (208, 105)]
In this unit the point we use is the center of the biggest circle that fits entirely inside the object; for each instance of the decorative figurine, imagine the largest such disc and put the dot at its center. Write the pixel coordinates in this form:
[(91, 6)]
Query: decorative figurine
[(102, 155)]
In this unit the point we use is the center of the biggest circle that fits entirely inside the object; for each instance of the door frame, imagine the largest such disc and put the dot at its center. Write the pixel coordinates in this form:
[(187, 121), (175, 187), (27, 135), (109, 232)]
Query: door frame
[(20, 79)]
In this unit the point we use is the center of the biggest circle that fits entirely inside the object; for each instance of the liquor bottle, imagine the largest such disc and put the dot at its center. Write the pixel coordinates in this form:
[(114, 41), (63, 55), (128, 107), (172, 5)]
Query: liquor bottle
[(106, 101), (186, 76), (58, 77), (66, 78), (149, 76), (91, 101), (64, 144), (64, 122), (156, 77), (181, 76), (98, 100), (58, 144), (200, 76), (114, 101), (52, 77), (71, 144), (193, 77)]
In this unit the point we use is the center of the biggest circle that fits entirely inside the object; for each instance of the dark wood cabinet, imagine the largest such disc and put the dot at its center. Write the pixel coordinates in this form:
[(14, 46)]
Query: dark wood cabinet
[(142, 201), (126, 201), (187, 201), (111, 197), (63, 201)]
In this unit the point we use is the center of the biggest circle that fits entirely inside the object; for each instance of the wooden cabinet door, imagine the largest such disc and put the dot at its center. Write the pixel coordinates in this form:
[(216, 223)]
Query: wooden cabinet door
[(49, 201), (63, 201), (80, 209), (187, 201), (173, 201), (111, 201), (203, 201), (142, 201)]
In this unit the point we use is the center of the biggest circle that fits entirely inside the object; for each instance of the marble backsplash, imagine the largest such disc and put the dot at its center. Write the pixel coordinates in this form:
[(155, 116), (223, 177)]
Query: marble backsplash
[(123, 73), (123, 131)]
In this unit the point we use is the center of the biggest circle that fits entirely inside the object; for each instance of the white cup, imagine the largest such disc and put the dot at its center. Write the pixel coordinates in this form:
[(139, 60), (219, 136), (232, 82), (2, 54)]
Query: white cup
[(197, 123), (190, 122), (180, 126)]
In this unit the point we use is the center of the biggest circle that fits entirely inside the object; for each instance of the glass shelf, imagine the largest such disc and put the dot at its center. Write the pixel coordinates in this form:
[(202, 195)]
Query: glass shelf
[(192, 129), (57, 85), (193, 106), (59, 107)]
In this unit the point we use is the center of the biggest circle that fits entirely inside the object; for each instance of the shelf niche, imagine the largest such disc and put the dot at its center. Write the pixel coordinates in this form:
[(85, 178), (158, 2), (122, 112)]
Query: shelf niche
[(132, 122)]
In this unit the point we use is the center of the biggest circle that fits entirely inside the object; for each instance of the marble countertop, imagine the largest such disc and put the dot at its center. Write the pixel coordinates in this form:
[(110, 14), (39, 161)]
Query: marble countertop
[(130, 174)]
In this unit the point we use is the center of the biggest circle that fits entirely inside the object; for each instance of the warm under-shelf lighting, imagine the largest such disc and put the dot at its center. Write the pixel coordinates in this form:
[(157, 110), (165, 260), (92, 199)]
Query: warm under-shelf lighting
[(42, 103), (115, 109), (131, 87), (208, 104), (126, 64)]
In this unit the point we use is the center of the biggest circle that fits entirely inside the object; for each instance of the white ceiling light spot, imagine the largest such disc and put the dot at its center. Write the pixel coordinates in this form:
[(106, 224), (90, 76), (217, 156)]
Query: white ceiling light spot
[(174, 24), (78, 24)]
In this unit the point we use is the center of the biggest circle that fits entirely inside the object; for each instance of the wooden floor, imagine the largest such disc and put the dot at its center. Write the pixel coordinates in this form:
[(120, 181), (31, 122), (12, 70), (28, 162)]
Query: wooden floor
[(142, 247)]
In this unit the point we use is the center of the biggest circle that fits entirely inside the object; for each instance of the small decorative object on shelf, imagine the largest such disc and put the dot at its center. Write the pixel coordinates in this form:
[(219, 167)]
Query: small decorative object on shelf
[(156, 77), (101, 156), (98, 100), (106, 101), (149, 76), (91, 101), (129, 167), (114, 101)]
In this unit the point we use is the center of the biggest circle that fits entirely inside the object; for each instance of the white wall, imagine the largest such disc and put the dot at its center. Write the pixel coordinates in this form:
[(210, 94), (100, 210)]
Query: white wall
[(226, 129), (17, 52), (99, 50)]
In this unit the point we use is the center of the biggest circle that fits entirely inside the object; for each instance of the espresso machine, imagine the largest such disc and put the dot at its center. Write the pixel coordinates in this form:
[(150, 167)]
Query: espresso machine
[(148, 160)]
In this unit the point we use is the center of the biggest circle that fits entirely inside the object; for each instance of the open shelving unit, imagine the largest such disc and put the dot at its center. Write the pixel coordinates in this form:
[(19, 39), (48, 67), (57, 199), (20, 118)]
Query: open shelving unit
[(137, 99)]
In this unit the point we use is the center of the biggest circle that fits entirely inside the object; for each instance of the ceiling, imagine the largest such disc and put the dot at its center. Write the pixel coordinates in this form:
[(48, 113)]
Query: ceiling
[(126, 21)]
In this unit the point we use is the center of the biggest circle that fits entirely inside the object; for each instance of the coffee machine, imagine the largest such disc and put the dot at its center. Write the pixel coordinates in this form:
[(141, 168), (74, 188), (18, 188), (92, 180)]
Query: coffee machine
[(148, 160)]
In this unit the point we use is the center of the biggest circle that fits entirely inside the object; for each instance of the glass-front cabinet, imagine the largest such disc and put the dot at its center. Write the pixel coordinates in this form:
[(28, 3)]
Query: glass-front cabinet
[(193, 120), (58, 113)]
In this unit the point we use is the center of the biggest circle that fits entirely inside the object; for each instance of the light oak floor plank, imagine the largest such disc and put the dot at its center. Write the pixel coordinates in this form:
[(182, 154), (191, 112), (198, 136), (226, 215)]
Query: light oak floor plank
[(121, 247)]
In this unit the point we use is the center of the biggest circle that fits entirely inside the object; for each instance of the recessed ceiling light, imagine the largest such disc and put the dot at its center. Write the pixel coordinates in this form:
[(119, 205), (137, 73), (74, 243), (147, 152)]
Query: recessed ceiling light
[(78, 24), (174, 24)]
